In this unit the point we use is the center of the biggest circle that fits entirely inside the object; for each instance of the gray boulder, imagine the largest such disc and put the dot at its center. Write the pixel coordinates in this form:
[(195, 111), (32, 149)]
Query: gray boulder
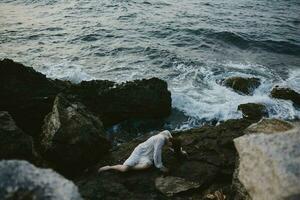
[(72, 137), (14, 143), (20, 180), (269, 163)]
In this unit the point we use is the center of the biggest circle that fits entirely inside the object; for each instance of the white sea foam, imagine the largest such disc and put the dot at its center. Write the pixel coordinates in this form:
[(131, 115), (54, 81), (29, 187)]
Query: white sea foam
[(197, 92), (294, 79), (66, 71)]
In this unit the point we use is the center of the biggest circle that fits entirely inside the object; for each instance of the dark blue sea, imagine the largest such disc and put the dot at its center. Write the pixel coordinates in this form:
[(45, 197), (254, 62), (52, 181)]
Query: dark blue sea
[(192, 44)]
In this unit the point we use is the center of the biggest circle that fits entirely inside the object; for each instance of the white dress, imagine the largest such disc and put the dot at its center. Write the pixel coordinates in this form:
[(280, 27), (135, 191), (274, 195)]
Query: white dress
[(149, 151)]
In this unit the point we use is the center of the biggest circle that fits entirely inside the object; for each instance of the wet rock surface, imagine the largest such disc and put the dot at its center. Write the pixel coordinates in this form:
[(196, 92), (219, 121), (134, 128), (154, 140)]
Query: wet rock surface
[(274, 160), (20, 180), (113, 103), (72, 137), (26, 94), (14, 143), (210, 163), (253, 111), (242, 85), (286, 94)]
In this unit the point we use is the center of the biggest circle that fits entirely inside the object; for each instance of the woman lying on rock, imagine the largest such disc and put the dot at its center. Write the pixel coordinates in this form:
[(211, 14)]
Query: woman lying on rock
[(149, 152)]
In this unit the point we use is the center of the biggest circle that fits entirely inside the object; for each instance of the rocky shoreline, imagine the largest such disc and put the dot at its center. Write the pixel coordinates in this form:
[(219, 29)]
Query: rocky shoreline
[(59, 125)]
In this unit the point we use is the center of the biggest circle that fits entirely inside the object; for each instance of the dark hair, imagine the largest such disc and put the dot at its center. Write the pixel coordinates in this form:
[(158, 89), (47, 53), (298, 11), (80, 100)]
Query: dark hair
[(176, 145)]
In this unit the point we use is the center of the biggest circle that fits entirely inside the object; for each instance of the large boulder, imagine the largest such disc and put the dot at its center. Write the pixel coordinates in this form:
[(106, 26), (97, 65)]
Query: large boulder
[(253, 111), (72, 137), (113, 103), (26, 94), (210, 165), (286, 94), (269, 163), (269, 126), (242, 85), (14, 143), (20, 180)]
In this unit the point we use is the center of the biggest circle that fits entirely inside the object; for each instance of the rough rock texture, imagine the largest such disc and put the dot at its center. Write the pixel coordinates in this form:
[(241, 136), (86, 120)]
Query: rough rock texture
[(253, 111), (26, 94), (20, 180), (242, 85), (286, 94), (14, 143), (171, 185), (270, 164), (217, 195), (210, 163), (147, 98), (240, 191), (72, 137), (269, 125)]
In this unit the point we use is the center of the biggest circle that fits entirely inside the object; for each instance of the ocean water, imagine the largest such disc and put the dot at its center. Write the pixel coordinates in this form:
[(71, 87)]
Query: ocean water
[(192, 44)]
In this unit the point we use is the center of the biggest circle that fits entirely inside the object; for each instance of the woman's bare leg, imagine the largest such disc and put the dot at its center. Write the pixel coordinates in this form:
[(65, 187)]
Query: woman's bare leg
[(124, 168), (120, 168)]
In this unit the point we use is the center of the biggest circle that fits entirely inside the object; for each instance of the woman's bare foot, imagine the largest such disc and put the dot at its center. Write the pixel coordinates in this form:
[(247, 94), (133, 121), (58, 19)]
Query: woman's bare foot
[(105, 168)]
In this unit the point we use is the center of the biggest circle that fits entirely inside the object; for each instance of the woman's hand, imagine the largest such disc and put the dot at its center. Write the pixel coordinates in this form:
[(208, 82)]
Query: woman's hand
[(183, 152), (164, 169)]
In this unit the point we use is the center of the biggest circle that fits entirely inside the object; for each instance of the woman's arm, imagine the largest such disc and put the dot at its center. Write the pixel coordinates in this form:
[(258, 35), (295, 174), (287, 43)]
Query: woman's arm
[(157, 153)]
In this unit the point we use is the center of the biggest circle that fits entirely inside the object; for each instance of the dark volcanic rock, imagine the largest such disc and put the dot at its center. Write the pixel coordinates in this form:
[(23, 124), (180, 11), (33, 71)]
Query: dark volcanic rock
[(253, 111), (242, 85), (210, 163), (14, 143), (113, 103), (286, 94), (72, 137), (20, 180), (26, 94)]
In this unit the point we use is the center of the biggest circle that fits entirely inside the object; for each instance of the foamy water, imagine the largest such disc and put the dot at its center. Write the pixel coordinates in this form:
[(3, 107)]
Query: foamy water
[(202, 97), (210, 100)]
